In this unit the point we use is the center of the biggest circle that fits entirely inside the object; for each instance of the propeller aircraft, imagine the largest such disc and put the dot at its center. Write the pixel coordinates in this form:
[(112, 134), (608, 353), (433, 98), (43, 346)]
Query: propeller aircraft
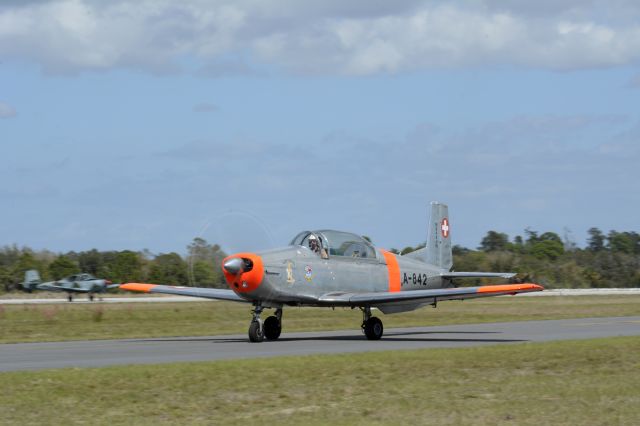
[(77, 283), (329, 268)]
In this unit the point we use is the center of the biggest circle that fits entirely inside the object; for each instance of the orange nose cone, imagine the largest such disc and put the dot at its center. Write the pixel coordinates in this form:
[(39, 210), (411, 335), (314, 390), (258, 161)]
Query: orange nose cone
[(247, 279)]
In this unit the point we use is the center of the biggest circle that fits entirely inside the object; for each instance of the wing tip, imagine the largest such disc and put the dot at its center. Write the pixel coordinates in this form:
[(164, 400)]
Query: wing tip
[(139, 287), (508, 288)]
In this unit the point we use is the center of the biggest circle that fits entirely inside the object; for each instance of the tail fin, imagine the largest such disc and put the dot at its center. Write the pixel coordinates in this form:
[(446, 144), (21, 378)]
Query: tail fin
[(31, 280), (439, 237)]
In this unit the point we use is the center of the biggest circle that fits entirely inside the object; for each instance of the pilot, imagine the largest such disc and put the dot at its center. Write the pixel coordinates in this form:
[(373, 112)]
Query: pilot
[(313, 244), (316, 246)]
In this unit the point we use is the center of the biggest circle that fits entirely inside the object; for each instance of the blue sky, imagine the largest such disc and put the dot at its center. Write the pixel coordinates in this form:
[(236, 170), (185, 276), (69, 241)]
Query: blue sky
[(131, 125)]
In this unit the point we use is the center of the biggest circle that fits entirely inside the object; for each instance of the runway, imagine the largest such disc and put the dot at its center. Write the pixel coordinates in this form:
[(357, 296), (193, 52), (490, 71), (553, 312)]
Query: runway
[(99, 353)]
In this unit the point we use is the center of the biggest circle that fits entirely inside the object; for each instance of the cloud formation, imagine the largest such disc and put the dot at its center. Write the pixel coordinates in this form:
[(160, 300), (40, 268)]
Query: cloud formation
[(333, 37)]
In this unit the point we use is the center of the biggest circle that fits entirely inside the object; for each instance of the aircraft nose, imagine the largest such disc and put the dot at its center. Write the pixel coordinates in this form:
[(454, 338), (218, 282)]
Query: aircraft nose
[(243, 272), (233, 265)]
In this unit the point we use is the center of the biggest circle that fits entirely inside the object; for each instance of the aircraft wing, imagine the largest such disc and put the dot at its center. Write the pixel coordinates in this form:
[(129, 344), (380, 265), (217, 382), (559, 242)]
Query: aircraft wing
[(359, 299), (478, 275), (207, 293)]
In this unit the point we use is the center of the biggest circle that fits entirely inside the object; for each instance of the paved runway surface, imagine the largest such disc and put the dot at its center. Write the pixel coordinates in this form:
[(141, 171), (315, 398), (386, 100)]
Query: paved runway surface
[(97, 353)]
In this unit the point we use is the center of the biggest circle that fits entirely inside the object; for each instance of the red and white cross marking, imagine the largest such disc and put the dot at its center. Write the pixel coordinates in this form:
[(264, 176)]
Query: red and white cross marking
[(445, 227)]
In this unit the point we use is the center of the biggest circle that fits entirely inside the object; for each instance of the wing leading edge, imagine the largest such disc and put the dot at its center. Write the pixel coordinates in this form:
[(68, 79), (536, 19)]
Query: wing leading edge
[(359, 299), (207, 293)]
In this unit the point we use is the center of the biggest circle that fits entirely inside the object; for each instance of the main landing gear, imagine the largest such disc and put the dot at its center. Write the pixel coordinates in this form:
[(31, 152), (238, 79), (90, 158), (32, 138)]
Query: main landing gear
[(371, 326), (269, 329)]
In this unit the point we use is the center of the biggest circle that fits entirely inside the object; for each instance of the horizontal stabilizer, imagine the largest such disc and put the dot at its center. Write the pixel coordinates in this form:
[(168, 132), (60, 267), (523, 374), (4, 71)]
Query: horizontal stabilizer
[(478, 275), (207, 293)]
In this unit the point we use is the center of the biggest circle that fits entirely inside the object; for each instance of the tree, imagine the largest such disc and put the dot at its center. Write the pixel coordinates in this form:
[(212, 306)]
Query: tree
[(25, 261), (203, 275), (90, 261), (168, 269), (596, 239), (62, 267), (550, 236), (204, 262), (532, 236), (622, 242), (126, 267), (407, 250), (547, 249), (5, 279), (494, 241)]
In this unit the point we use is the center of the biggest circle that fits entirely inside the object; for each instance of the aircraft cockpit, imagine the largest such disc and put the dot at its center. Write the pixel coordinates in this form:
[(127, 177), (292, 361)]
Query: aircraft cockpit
[(86, 277), (328, 243)]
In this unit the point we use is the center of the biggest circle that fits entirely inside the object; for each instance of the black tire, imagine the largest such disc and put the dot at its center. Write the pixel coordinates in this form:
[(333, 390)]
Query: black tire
[(256, 334), (272, 328), (91, 297), (70, 298), (373, 328)]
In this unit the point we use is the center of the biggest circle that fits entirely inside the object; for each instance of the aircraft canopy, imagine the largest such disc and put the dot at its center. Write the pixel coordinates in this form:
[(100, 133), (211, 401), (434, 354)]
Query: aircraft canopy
[(338, 243)]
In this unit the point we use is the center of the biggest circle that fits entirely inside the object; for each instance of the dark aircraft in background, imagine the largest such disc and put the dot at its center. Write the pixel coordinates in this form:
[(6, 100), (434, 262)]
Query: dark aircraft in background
[(73, 284), (332, 269)]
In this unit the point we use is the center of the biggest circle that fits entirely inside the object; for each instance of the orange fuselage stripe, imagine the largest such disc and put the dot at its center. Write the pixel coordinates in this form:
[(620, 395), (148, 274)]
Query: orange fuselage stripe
[(145, 288), (393, 269)]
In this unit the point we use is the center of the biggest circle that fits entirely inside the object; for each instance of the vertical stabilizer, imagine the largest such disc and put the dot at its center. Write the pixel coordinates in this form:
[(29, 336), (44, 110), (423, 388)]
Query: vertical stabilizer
[(439, 237), (31, 280)]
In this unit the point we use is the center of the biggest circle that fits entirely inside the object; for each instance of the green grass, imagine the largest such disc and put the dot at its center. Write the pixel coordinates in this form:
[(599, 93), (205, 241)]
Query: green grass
[(590, 382), (31, 323)]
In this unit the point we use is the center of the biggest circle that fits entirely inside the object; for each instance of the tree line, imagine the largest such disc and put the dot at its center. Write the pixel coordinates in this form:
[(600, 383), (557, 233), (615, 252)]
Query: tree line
[(200, 267), (608, 260)]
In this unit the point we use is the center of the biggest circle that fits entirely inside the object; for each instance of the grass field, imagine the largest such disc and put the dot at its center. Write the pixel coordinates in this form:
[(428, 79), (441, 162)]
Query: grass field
[(591, 382), (30, 323)]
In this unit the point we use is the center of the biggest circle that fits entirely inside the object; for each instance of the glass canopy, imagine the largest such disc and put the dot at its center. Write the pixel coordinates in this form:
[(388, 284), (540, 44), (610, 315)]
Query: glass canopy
[(338, 243)]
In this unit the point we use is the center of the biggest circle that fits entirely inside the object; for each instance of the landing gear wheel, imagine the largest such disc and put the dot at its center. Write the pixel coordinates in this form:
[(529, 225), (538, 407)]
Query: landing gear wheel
[(91, 297), (256, 333), (373, 328), (70, 298), (272, 328)]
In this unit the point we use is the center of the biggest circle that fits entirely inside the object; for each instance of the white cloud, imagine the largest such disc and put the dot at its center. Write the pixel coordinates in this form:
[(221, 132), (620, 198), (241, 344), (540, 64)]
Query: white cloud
[(6, 111), (348, 37)]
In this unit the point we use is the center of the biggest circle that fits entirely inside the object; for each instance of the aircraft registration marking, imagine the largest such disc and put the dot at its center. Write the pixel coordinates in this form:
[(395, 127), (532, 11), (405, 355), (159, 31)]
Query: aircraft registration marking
[(415, 279)]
